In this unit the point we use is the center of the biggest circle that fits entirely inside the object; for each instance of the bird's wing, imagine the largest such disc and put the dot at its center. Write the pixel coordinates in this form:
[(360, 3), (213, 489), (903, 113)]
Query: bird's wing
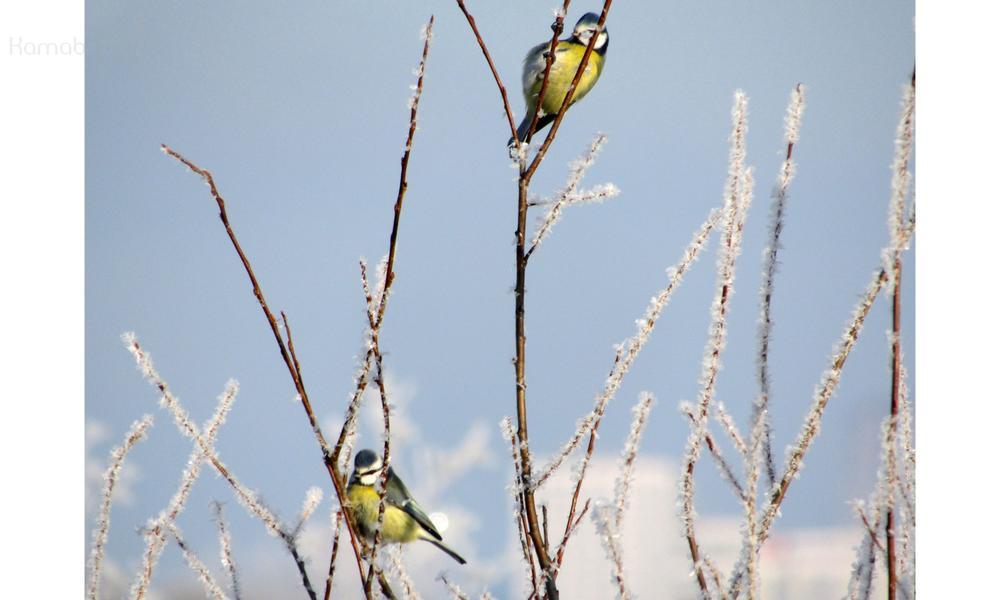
[(534, 66), (397, 495)]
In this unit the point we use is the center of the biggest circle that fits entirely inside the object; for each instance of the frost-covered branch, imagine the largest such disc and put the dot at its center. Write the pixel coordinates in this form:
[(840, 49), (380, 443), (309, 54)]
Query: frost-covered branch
[(624, 483), (604, 517), (156, 537), (226, 549), (737, 199), (338, 518), (729, 426), (399, 572), (793, 120), (246, 497), (897, 233), (136, 433), (517, 489), (569, 194)]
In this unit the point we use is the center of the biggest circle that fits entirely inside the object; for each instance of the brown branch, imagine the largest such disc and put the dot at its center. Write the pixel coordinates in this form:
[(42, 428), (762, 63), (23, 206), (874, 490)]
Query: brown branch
[(493, 69), (523, 531), (569, 532), (526, 172), (335, 476), (871, 530), (890, 533), (404, 162), (521, 263), (898, 231)]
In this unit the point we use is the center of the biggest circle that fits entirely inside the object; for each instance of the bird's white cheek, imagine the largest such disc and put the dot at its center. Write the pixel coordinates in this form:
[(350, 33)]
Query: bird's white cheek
[(369, 479)]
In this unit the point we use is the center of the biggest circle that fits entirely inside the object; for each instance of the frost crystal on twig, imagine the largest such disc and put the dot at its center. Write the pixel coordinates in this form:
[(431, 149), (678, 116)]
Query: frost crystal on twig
[(729, 426), (226, 549), (135, 434), (314, 496), (399, 572), (901, 175)]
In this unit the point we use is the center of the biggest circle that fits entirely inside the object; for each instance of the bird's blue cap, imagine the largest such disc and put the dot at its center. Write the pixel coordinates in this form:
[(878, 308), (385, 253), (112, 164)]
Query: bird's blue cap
[(365, 458), (589, 19)]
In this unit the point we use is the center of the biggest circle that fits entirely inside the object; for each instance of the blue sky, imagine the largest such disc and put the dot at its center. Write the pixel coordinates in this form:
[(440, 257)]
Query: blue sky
[(301, 116)]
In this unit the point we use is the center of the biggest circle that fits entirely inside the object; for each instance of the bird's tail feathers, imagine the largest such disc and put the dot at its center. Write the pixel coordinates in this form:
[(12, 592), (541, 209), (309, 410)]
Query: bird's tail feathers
[(446, 549), (522, 129)]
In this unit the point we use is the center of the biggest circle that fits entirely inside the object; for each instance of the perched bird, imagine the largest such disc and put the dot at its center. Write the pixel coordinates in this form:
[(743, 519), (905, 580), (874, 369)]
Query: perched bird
[(404, 520), (569, 54)]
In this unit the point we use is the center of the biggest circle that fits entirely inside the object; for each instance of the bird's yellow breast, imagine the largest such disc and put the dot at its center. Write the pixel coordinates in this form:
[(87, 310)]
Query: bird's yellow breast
[(397, 526), (564, 67)]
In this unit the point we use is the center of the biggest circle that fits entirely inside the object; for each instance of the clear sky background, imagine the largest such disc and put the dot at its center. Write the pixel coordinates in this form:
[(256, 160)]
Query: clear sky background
[(301, 116)]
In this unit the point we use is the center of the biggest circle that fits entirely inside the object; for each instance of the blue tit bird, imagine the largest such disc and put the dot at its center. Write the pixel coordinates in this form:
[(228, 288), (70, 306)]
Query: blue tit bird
[(404, 520), (569, 54)]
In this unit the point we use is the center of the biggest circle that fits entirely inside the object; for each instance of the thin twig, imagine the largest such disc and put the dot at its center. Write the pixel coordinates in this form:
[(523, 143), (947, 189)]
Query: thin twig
[(328, 459), (561, 551), (493, 69), (859, 508), (376, 317)]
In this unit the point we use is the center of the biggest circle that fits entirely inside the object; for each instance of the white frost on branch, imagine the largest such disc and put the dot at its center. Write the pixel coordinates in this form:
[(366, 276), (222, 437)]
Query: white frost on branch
[(625, 478), (569, 194), (136, 433), (736, 203)]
